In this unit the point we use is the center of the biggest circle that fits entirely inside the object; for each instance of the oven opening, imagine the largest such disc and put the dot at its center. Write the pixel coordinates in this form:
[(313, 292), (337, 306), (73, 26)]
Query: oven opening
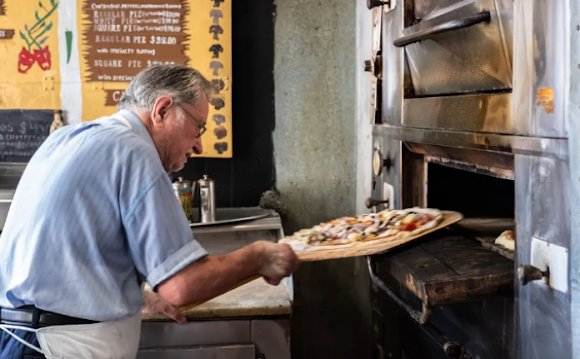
[(486, 202), (474, 195)]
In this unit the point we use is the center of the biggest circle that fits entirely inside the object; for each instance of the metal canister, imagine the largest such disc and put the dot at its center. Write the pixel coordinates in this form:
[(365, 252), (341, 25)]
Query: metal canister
[(184, 193), (206, 199)]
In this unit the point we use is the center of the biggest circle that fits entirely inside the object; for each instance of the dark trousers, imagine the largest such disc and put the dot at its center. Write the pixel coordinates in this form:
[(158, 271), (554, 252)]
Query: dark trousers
[(10, 348)]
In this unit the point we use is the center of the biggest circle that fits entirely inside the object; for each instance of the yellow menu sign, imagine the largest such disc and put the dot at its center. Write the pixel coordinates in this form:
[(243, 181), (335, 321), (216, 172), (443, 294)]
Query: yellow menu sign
[(79, 56)]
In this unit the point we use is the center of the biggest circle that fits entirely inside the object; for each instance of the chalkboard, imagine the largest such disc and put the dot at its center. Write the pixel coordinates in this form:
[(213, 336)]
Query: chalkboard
[(22, 132)]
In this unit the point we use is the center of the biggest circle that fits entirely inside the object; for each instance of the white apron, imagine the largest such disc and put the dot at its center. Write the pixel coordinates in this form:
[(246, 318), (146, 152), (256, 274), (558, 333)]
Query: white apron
[(108, 340), (112, 340)]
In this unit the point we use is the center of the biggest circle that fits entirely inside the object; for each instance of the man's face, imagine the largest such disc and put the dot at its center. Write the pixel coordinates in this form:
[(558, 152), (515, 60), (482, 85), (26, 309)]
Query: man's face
[(177, 134)]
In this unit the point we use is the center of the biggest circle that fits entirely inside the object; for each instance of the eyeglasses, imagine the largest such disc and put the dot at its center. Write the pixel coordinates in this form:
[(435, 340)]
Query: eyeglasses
[(200, 126)]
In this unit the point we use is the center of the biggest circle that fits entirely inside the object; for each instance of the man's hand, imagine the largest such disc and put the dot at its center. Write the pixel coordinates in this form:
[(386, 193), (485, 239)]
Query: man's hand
[(279, 261), (213, 275), (155, 305)]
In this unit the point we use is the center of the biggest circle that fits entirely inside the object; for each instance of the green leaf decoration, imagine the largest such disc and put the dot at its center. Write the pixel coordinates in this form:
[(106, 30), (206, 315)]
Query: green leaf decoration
[(48, 27), (23, 36), (69, 38), (36, 16)]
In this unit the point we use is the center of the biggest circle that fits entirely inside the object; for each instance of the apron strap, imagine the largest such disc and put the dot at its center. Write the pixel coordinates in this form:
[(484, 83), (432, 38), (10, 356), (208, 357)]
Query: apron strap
[(6, 328)]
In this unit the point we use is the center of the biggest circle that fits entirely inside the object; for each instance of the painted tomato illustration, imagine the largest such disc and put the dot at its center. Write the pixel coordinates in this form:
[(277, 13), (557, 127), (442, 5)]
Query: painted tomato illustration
[(25, 61), (42, 57)]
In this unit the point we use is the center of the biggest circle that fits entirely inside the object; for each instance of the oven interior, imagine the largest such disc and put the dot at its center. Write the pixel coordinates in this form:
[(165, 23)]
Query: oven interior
[(473, 194), (450, 294)]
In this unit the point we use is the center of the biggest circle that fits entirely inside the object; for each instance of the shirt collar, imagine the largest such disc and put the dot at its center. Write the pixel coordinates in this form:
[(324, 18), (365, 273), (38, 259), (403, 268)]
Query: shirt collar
[(136, 124)]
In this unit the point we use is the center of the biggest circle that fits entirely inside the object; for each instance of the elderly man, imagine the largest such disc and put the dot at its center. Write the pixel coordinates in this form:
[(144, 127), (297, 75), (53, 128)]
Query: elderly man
[(95, 216)]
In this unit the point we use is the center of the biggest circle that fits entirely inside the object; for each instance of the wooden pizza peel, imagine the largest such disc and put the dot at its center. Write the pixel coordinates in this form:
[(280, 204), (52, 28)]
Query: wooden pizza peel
[(372, 247), (360, 249)]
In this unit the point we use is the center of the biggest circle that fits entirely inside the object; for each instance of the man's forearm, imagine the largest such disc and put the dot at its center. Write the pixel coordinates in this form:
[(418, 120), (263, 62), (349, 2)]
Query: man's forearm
[(213, 275)]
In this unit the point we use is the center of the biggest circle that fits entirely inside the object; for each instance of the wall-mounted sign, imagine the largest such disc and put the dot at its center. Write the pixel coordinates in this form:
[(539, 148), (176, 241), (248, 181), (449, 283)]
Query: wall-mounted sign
[(124, 37), (79, 56)]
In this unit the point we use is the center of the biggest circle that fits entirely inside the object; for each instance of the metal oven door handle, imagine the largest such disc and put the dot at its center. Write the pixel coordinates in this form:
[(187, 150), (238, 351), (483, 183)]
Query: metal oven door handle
[(452, 25)]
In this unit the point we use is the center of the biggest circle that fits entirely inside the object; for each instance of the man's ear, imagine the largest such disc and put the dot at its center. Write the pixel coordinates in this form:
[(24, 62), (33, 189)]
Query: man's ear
[(160, 107)]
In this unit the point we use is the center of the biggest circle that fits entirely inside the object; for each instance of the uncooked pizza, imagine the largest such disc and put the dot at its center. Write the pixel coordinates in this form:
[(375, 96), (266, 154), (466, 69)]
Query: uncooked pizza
[(385, 226)]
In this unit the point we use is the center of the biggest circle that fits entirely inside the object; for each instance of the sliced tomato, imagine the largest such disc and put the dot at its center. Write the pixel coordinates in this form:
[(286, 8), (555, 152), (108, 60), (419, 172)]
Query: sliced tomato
[(408, 227)]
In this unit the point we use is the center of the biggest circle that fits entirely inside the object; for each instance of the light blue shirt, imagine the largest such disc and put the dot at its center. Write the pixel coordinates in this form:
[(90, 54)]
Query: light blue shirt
[(94, 215)]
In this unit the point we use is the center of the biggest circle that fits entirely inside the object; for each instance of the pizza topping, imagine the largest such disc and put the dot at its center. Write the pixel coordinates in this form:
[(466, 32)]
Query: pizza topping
[(386, 225)]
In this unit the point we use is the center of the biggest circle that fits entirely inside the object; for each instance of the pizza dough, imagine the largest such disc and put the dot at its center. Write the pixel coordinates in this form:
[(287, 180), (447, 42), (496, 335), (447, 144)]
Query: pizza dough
[(386, 225), (507, 240)]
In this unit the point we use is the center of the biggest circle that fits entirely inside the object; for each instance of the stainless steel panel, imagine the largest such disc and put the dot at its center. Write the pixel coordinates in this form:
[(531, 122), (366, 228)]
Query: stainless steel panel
[(10, 174), (272, 338), (542, 212), (552, 147), (229, 215), (475, 113), (574, 130), (219, 239), (391, 168), (5, 201), (225, 352), (171, 334), (393, 66), (472, 59), (422, 8), (540, 65)]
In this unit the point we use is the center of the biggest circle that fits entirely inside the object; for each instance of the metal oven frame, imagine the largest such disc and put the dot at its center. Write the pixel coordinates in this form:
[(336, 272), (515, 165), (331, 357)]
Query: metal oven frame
[(536, 146)]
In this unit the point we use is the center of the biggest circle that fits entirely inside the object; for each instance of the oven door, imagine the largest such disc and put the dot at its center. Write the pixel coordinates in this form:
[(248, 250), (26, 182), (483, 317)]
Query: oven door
[(459, 49), (458, 65)]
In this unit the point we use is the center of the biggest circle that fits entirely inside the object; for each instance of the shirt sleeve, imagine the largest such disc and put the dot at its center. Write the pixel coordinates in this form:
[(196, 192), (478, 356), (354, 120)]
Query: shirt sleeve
[(158, 234)]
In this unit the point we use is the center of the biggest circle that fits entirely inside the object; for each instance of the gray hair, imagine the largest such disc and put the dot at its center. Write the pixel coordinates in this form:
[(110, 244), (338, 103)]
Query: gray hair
[(184, 84)]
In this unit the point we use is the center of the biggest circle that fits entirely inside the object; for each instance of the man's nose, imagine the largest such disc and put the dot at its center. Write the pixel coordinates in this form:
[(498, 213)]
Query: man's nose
[(198, 147)]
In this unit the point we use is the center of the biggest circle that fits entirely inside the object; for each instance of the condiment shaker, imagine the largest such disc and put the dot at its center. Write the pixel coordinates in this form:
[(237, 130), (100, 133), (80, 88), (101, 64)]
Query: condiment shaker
[(206, 199)]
